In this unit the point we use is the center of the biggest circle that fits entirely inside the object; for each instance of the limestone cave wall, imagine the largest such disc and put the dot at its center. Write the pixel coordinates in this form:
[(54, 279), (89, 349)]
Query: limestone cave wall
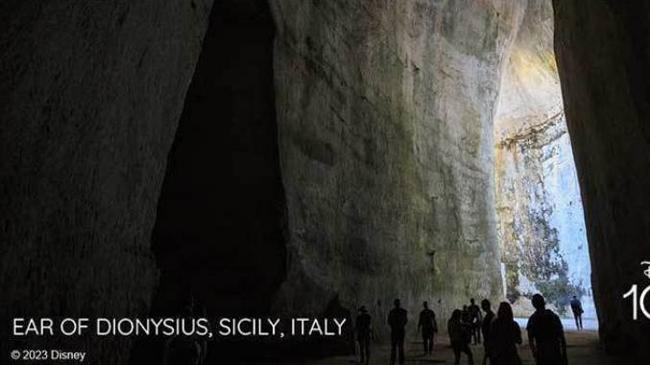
[(541, 225), (385, 119), (90, 96), (218, 237), (385, 149), (539, 209), (603, 50)]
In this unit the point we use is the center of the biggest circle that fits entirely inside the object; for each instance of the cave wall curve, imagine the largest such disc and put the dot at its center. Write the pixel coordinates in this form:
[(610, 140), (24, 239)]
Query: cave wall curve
[(90, 96), (602, 52), (385, 117), (541, 226)]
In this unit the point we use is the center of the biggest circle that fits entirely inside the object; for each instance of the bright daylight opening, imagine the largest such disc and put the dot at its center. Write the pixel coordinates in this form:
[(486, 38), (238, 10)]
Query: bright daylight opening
[(541, 225)]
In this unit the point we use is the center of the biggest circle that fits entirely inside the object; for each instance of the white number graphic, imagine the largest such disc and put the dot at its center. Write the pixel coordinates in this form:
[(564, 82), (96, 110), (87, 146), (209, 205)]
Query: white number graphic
[(638, 301)]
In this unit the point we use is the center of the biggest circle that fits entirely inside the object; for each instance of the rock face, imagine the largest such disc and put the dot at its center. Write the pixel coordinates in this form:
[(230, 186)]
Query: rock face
[(385, 147), (530, 89), (541, 224), (218, 237), (603, 51), (385, 117), (91, 94)]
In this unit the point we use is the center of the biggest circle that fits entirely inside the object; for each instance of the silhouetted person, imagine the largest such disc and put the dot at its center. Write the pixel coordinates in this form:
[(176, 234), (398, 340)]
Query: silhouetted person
[(183, 350), (465, 316), (364, 332), (505, 335), (397, 321), (546, 335), (485, 328), (474, 314), (428, 326), (459, 336), (576, 308)]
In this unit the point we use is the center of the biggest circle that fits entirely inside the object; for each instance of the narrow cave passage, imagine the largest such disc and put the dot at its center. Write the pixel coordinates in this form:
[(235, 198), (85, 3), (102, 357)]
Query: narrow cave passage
[(541, 226), (218, 235)]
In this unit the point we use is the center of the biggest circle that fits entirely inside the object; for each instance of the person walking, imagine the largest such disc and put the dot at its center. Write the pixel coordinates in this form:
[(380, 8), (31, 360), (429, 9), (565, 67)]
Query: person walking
[(546, 335), (459, 337), (576, 308), (505, 335), (397, 319), (475, 318), (485, 329), (364, 333), (428, 327)]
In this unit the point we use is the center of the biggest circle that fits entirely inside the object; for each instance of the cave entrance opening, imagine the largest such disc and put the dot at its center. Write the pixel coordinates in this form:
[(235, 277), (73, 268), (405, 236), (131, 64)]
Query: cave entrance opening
[(540, 220), (218, 237)]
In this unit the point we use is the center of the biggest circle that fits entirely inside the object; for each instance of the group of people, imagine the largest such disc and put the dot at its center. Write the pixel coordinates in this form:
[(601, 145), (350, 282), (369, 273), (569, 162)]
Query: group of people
[(500, 332)]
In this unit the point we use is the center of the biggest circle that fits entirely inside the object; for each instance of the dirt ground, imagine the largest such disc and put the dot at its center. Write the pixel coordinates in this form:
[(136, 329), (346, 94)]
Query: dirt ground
[(582, 348)]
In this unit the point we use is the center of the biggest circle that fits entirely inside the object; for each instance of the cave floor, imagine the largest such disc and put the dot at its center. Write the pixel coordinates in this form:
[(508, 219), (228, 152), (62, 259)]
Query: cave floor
[(582, 347)]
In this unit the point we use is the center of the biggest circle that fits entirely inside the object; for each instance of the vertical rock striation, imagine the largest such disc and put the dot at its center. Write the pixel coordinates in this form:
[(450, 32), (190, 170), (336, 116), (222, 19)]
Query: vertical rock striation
[(603, 50), (91, 94), (385, 117), (541, 221)]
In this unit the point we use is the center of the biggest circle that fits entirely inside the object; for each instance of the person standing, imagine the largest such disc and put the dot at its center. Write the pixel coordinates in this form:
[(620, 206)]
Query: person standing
[(364, 333), (428, 327), (546, 335), (485, 329), (459, 336), (474, 313), (505, 336), (397, 319), (576, 308)]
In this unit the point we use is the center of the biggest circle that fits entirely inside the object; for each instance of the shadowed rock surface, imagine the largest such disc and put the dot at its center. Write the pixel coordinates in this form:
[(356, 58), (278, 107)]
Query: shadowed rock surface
[(91, 95), (603, 51), (218, 238), (350, 159), (218, 235), (385, 117)]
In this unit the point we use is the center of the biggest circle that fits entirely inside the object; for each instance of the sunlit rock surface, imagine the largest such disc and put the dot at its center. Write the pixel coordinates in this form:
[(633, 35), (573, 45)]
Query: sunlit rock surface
[(541, 224), (385, 116), (541, 221), (530, 90)]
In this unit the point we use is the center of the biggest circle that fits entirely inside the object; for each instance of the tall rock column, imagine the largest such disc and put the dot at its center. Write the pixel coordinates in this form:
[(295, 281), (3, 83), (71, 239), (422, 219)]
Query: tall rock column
[(385, 116), (91, 94), (603, 51)]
